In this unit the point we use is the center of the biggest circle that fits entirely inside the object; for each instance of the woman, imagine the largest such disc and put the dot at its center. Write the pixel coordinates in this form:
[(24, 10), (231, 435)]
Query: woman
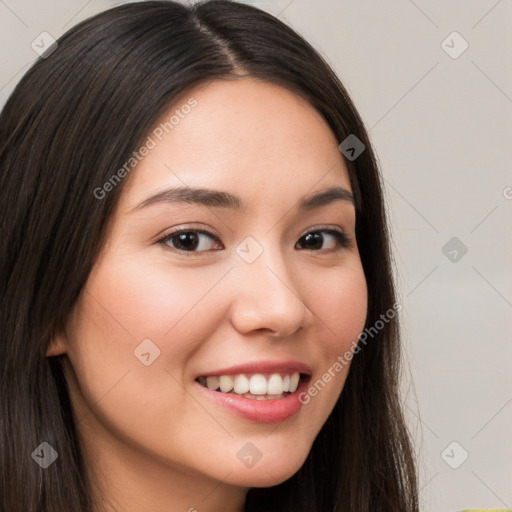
[(198, 310)]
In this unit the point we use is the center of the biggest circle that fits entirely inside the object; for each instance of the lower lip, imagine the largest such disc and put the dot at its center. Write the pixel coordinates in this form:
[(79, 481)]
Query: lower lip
[(259, 411)]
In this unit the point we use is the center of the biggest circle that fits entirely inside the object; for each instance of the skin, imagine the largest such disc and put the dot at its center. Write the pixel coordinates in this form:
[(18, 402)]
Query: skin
[(151, 438)]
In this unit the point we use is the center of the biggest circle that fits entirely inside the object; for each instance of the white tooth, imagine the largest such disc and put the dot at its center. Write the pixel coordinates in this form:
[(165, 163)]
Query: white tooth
[(286, 383), (225, 383), (258, 384), (294, 381), (241, 384), (275, 385), (212, 382), (260, 398)]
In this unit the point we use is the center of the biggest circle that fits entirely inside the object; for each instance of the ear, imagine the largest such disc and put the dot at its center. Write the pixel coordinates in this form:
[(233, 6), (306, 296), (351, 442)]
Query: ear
[(57, 346)]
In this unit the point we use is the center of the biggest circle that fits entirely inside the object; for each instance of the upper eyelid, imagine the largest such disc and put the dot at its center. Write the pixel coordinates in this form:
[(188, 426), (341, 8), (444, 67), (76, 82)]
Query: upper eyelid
[(214, 236)]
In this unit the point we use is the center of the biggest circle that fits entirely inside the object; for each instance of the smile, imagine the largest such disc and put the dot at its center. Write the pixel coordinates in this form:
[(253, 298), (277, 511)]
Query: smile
[(256, 386), (261, 393)]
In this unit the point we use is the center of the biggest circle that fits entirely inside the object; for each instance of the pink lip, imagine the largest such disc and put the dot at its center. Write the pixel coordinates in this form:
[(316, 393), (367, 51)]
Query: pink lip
[(264, 367), (261, 411)]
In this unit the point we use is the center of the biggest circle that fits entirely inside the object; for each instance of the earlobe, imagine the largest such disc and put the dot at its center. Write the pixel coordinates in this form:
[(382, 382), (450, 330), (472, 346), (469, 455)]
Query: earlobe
[(57, 346)]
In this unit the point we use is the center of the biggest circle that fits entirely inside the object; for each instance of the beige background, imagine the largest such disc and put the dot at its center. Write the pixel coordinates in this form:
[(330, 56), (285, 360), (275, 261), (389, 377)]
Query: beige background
[(442, 128)]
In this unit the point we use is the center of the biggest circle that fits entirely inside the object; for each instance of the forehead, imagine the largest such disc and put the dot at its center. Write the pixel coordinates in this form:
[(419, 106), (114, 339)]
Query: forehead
[(245, 136)]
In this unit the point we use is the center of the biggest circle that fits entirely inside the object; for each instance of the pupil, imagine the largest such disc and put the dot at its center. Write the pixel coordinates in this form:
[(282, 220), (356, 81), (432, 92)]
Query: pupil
[(188, 240), (316, 238)]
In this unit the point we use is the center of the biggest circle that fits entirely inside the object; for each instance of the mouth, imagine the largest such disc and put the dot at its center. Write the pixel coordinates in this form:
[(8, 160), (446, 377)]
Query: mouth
[(256, 386), (259, 392)]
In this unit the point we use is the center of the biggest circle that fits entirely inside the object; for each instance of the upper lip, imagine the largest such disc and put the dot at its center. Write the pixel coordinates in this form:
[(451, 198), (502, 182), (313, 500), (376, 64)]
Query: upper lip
[(262, 367)]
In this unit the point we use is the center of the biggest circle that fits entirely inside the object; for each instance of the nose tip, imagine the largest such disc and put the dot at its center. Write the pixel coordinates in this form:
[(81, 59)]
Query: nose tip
[(269, 301)]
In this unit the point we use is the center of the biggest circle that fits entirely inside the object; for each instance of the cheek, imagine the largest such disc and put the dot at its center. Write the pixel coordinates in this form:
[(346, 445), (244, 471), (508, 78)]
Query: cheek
[(133, 313), (114, 391), (135, 300), (342, 309)]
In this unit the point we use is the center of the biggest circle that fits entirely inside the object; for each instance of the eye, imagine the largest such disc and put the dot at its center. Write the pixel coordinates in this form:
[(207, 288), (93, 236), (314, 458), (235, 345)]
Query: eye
[(189, 240), (315, 239)]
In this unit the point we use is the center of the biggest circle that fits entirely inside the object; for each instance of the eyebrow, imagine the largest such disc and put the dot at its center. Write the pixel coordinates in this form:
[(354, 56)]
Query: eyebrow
[(220, 199)]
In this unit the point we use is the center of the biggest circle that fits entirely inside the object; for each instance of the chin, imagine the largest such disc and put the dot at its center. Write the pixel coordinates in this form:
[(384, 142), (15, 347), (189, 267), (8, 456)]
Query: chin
[(263, 477), (270, 470)]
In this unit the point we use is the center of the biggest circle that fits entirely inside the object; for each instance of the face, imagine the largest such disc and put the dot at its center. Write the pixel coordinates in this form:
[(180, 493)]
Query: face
[(191, 299)]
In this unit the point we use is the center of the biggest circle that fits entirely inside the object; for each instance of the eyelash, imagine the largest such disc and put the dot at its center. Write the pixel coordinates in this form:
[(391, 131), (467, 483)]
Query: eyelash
[(342, 239)]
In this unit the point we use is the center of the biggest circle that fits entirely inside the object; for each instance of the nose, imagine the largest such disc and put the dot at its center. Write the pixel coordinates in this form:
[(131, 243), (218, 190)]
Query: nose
[(268, 298)]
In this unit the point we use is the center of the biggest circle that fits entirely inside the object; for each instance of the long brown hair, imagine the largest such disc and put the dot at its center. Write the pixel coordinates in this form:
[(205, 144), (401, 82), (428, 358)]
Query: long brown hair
[(72, 120)]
